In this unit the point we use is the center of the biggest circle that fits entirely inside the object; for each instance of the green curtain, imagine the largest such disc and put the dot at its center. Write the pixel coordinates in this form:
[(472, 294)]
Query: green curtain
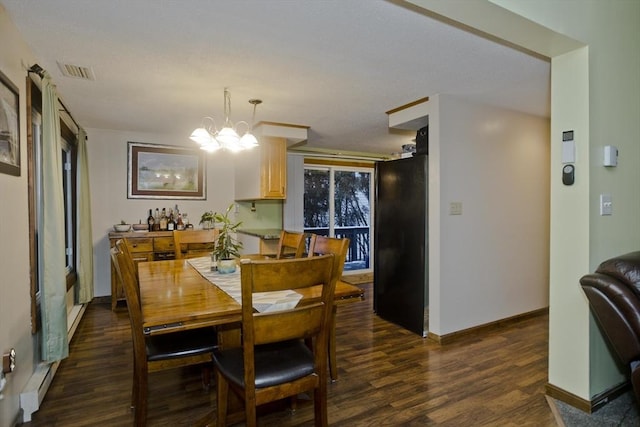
[(84, 237), (55, 345)]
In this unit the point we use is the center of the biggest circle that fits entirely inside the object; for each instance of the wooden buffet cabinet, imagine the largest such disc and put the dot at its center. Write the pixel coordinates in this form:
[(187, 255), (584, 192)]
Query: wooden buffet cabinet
[(145, 246)]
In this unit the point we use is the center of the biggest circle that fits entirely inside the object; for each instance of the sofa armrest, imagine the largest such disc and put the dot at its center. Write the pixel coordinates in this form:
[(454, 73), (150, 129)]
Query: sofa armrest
[(617, 310), (625, 268)]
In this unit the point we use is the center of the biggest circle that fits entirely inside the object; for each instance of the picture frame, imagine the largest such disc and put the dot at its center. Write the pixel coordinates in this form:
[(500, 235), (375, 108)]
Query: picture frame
[(9, 127), (165, 172)]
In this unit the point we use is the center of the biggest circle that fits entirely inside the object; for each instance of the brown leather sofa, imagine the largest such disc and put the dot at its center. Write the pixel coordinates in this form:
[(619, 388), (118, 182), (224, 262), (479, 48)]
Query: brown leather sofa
[(614, 298)]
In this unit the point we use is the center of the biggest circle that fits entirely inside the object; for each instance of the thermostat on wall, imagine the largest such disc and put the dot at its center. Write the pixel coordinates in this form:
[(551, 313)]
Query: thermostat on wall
[(568, 147), (610, 155)]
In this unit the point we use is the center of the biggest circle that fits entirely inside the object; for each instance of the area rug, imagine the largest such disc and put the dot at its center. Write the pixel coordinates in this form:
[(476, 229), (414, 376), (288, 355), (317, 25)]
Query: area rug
[(620, 412)]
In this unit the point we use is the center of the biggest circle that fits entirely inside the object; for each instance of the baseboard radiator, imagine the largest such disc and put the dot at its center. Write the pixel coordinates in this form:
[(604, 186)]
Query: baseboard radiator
[(38, 385)]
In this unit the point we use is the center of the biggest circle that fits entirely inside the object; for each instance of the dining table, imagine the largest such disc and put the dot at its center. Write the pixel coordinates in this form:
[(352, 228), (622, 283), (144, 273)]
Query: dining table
[(183, 294)]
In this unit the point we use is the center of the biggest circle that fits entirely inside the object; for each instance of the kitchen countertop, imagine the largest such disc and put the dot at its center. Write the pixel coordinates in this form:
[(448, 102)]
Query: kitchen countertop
[(263, 233)]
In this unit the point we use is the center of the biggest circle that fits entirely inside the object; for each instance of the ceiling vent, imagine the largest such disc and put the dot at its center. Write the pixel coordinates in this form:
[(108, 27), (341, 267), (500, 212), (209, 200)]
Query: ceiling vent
[(70, 70)]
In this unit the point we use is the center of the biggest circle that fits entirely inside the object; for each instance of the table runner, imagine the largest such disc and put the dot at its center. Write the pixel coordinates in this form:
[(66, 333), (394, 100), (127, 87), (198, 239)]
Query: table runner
[(263, 302)]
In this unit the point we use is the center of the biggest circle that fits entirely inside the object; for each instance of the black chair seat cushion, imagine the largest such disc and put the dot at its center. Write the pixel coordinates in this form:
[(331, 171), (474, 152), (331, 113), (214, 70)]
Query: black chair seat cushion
[(274, 363), (180, 344)]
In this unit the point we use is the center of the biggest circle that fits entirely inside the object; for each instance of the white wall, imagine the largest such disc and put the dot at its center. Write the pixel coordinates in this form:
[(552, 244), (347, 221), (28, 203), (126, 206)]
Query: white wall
[(15, 312), (570, 226), (108, 175), (493, 259), (609, 105)]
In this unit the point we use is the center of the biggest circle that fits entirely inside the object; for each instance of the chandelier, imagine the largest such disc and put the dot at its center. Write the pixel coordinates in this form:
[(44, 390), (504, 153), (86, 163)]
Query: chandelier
[(211, 139)]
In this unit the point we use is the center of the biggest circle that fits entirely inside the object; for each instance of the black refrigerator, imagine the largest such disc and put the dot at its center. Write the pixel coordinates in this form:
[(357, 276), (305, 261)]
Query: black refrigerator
[(401, 279)]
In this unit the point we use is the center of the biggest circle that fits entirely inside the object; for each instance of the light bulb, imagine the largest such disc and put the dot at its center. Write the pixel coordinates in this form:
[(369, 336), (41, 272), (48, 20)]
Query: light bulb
[(248, 140)]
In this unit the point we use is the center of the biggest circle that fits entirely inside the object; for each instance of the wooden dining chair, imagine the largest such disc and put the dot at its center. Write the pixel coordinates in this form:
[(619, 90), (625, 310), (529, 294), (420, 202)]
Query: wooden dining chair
[(152, 353), (321, 245), (290, 245), (194, 243), (274, 362)]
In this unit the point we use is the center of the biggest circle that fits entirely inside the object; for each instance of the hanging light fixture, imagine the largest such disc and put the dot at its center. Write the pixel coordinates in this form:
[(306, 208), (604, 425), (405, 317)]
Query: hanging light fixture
[(211, 139), (248, 140)]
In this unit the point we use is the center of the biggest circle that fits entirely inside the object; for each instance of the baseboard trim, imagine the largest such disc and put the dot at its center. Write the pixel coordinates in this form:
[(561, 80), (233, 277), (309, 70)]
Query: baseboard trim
[(38, 385), (498, 324), (588, 406), (555, 411)]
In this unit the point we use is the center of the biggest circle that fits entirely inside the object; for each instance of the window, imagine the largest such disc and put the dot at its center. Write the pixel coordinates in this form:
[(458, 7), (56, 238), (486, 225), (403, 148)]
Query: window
[(36, 157), (337, 203), (68, 186), (68, 165)]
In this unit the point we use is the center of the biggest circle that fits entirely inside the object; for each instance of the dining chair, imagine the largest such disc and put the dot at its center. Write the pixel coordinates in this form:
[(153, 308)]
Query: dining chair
[(274, 361), (290, 243), (194, 243), (152, 353), (321, 245)]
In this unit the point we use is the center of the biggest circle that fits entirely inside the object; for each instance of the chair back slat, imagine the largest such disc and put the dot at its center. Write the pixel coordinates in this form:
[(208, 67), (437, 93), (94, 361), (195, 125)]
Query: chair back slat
[(322, 245), (275, 276), (291, 244), (184, 242), (286, 325)]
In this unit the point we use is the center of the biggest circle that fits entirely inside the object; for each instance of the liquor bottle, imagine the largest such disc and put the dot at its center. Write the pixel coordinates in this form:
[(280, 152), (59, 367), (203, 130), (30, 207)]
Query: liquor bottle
[(171, 224), (156, 222), (179, 223), (163, 220), (151, 220)]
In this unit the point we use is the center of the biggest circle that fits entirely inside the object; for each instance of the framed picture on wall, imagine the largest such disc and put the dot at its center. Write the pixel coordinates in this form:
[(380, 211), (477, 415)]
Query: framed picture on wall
[(165, 172), (9, 127)]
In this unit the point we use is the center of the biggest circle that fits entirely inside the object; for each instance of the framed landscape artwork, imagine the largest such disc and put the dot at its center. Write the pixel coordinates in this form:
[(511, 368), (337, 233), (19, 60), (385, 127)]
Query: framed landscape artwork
[(9, 127), (165, 172)]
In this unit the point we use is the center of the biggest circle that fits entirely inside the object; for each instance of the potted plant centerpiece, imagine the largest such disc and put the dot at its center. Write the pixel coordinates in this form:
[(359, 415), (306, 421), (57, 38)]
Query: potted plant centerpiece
[(226, 247), (207, 220)]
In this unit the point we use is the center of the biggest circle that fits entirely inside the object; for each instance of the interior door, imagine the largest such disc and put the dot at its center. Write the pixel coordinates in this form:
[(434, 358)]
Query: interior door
[(400, 267)]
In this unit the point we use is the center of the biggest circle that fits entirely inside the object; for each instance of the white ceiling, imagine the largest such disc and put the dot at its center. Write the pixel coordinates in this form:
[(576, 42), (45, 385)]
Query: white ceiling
[(336, 66)]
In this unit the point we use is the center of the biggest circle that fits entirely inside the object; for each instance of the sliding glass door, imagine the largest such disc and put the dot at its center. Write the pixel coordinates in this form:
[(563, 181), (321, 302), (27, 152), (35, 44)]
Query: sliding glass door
[(338, 203)]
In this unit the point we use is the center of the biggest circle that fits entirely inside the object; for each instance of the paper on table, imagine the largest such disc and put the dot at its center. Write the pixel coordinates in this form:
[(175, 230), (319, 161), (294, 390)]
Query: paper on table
[(263, 302)]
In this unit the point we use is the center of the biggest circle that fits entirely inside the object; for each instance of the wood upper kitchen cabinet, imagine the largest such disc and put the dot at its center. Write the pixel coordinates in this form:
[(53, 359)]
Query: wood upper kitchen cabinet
[(261, 173)]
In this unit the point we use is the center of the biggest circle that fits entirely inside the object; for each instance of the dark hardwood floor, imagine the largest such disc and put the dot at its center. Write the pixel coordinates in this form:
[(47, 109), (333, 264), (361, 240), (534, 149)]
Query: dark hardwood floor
[(388, 377)]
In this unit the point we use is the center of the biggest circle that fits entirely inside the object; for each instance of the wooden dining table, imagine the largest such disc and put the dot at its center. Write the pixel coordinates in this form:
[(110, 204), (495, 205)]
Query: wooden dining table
[(175, 296)]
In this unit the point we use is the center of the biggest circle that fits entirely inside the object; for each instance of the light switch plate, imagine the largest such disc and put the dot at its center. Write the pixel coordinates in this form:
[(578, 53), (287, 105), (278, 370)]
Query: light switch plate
[(606, 204), (455, 208)]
